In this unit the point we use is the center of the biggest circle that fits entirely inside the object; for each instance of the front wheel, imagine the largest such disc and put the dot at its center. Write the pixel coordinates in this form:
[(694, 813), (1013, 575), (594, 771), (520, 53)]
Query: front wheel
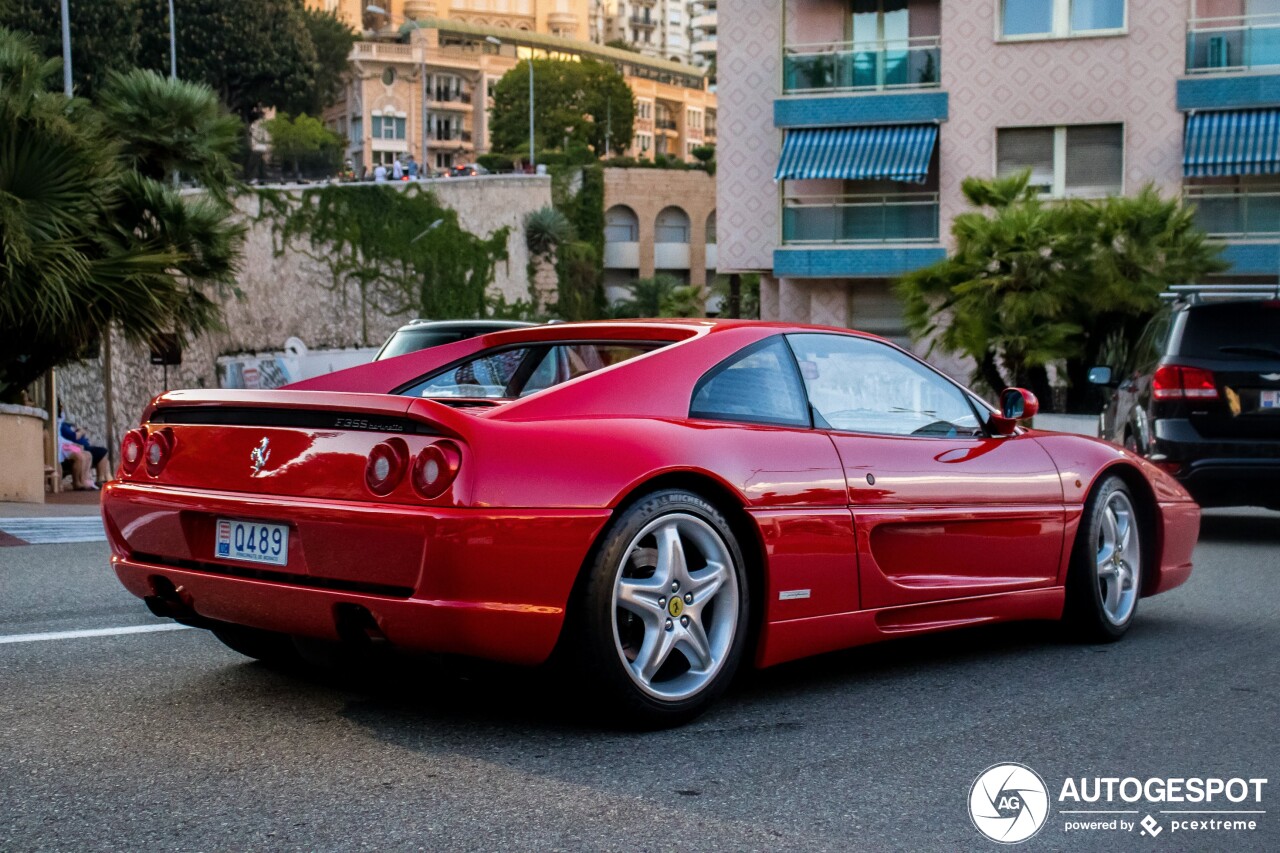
[(1105, 578), (665, 609)]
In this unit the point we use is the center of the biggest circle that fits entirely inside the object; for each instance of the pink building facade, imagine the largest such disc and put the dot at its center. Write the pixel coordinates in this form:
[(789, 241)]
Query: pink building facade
[(847, 127)]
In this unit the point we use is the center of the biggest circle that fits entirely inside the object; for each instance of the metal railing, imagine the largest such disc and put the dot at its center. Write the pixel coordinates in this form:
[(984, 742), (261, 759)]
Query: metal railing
[(663, 124), (1229, 213), (1234, 43), (889, 218), (913, 63)]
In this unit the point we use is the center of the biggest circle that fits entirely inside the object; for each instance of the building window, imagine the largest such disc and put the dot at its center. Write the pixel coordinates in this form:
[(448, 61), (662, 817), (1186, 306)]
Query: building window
[(1061, 18), (671, 226), (388, 127), (357, 131), (389, 77), (1084, 161), (621, 225), (694, 118)]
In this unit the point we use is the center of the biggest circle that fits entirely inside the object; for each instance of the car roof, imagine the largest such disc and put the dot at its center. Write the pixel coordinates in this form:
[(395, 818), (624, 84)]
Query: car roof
[(496, 325)]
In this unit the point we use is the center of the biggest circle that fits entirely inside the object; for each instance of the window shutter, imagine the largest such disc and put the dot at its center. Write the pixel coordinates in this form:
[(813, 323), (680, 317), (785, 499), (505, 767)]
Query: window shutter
[(1095, 160), (1026, 148)]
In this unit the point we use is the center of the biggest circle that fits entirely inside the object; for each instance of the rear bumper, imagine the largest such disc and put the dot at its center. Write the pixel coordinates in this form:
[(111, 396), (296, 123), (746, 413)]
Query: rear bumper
[(1219, 472), (481, 582)]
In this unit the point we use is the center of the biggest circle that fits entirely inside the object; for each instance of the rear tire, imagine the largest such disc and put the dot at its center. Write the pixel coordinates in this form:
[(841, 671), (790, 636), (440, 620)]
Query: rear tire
[(662, 620), (266, 646), (1104, 581)]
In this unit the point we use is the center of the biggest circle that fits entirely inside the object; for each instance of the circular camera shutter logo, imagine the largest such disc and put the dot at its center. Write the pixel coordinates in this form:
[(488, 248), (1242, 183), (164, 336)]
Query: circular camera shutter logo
[(1008, 803)]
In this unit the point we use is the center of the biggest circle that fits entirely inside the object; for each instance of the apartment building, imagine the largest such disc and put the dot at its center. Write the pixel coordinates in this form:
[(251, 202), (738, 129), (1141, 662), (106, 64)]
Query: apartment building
[(703, 27), (566, 18), (425, 88), (850, 124), (657, 28)]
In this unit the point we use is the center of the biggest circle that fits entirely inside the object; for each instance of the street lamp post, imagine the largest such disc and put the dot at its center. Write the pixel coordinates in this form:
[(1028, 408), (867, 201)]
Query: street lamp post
[(66, 49), (426, 123), (533, 159), (173, 44)]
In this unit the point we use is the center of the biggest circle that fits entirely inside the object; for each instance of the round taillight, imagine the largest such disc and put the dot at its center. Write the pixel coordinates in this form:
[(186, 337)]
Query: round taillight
[(386, 466), (131, 449), (157, 450), (436, 468)]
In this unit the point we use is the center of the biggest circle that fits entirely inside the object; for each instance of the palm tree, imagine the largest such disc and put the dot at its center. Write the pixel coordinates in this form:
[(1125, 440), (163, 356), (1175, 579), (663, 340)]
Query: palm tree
[(88, 238)]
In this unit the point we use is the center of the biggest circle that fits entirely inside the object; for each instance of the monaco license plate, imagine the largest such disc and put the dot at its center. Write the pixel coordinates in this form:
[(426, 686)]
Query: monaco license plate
[(1270, 400), (252, 541)]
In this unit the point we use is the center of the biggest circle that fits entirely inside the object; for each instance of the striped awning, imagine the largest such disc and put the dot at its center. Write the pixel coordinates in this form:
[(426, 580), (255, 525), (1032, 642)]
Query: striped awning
[(895, 152), (1232, 142)]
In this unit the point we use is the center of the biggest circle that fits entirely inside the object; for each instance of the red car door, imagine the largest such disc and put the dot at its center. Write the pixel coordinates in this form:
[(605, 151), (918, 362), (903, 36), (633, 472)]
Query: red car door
[(941, 510)]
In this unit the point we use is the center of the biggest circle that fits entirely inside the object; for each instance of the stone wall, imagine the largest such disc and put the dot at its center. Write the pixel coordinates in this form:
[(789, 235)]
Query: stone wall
[(293, 295)]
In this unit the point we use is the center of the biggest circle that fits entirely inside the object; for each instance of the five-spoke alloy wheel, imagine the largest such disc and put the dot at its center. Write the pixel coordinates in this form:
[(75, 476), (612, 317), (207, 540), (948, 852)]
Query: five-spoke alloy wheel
[(1105, 580), (665, 608)]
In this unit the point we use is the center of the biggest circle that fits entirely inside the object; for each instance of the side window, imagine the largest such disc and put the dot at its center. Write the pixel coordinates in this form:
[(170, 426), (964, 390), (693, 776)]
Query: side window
[(757, 385), (1150, 345), (859, 385)]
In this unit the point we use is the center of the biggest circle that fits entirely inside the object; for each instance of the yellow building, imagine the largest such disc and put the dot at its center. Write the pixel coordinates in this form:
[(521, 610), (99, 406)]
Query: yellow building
[(567, 18), (429, 96)]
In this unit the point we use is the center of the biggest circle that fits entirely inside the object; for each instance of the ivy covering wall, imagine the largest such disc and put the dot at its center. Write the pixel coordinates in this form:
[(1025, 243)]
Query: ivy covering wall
[(398, 248)]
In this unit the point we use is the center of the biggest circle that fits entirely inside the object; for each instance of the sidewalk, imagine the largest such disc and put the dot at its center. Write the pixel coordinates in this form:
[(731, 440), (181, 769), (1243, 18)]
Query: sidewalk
[(61, 505), (63, 518)]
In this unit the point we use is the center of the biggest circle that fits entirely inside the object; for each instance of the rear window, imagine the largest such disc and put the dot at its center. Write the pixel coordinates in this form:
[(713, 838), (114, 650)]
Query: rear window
[(513, 372), (420, 339), (1239, 330)]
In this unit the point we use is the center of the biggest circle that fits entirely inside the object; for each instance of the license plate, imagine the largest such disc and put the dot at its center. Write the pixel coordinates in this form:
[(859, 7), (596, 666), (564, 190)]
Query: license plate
[(1270, 400), (252, 541)]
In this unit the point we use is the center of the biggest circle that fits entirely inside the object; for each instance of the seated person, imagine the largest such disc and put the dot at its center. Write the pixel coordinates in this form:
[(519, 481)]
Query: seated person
[(69, 432)]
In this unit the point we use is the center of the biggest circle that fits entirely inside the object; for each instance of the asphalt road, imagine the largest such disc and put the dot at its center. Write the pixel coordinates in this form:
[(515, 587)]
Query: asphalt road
[(168, 741)]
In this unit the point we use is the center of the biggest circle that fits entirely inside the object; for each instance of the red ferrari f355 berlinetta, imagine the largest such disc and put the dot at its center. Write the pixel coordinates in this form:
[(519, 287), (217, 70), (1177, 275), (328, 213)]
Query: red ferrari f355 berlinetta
[(657, 500)]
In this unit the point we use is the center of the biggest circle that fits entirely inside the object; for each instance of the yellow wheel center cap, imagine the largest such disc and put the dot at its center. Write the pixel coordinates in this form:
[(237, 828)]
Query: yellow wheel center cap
[(675, 607)]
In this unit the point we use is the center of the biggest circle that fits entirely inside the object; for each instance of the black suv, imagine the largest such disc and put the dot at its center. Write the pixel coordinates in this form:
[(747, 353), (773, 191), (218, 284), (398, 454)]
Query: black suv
[(420, 334), (1200, 395)]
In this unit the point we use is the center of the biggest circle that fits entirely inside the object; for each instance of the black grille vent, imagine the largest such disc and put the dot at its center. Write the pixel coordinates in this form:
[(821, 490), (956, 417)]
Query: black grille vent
[(299, 418)]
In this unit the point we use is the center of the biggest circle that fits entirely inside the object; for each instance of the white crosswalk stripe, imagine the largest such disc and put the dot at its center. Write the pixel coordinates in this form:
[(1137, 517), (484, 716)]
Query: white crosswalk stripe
[(49, 531)]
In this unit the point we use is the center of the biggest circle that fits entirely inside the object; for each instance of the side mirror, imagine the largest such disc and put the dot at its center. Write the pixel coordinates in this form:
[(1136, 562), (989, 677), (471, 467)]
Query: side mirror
[(1100, 376), (1016, 404)]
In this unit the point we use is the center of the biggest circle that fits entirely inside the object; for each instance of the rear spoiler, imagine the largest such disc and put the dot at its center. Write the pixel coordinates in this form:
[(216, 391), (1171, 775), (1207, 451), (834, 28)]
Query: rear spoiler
[(308, 409)]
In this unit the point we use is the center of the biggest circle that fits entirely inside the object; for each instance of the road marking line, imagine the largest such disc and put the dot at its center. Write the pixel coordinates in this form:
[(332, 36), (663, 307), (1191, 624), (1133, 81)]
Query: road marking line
[(91, 632), (54, 531)]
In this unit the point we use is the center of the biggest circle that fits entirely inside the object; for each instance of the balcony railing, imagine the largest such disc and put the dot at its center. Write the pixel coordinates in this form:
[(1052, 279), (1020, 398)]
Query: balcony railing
[(901, 64), (665, 124), (1233, 44), (1226, 214), (893, 218)]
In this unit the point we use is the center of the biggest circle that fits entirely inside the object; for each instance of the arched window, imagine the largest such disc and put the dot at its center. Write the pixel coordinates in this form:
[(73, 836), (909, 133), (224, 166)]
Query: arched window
[(671, 226), (621, 225), (711, 227)]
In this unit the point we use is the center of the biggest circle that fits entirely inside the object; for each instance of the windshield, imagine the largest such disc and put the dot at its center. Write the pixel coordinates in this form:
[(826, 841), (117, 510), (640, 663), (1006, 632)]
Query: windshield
[(1232, 330), (512, 372)]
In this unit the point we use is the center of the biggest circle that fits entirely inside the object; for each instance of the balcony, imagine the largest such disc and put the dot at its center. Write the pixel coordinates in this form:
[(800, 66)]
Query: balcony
[(1247, 220), (1226, 214), (665, 124), (706, 21), (914, 63), (895, 218), (1240, 43), (643, 23)]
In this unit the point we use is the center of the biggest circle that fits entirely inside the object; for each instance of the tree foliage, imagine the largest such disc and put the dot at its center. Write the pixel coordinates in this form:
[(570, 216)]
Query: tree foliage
[(581, 102), (333, 41), (256, 54), (105, 35), (89, 238), (1034, 283), (398, 247), (305, 144)]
